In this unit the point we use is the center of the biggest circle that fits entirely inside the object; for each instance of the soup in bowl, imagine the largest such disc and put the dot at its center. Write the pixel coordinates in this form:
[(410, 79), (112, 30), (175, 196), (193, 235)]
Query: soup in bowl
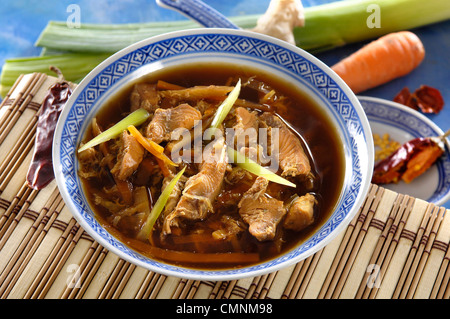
[(227, 154)]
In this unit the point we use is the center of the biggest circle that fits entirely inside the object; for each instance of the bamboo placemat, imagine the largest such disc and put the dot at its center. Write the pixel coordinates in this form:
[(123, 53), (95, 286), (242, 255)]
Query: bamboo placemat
[(396, 246)]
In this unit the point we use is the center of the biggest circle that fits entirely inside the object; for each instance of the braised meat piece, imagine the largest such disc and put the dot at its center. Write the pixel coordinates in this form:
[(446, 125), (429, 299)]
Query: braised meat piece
[(195, 93), (90, 163), (260, 212), (246, 128), (301, 213), (230, 228), (292, 157), (201, 189), (144, 95), (130, 156), (165, 121), (245, 119)]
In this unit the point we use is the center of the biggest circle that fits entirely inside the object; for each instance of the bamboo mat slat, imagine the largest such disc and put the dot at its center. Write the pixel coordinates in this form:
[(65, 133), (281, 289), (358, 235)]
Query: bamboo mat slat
[(396, 246)]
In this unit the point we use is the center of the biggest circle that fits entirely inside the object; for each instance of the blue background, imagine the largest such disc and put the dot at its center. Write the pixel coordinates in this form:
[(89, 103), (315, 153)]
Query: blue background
[(23, 20)]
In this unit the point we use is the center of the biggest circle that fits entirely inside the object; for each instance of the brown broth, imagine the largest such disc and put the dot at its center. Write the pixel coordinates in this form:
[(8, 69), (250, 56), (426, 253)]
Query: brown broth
[(319, 137)]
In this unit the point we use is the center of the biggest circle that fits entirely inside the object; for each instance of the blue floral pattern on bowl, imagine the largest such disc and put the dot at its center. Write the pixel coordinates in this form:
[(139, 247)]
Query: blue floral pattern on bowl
[(215, 44)]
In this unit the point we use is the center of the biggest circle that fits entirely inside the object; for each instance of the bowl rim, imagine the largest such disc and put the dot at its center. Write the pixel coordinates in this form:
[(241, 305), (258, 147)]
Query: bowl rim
[(226, 274)]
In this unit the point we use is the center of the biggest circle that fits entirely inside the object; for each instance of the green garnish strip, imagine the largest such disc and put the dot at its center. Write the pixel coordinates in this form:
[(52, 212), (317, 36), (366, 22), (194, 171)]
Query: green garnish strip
[(225, 107), (159, 206), (246, 163), (136, 118)]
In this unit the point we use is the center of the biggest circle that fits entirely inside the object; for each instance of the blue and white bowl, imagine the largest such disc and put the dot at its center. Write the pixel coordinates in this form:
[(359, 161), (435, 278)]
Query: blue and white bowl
[(233, 46)]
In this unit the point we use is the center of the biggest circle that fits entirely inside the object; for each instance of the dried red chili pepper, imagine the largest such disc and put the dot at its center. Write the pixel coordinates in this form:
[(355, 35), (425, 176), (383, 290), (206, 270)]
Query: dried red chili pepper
[(429, 99), (403, 97), (426, 99), (40, 172), (409, 161)]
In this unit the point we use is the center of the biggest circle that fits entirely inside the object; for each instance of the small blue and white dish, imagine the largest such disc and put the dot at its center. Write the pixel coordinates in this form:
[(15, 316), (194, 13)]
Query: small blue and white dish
[(232, 46), (403, 124)]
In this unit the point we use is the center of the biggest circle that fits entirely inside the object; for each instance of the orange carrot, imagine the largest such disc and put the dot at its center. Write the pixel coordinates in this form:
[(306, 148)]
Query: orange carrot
[(155, 149), (389, 57), (202, 258), (164, 169)]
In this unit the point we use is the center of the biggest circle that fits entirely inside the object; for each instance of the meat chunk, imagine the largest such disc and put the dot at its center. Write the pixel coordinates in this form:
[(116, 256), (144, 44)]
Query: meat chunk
[(201, 189), (256, 154), (237, 174), (230, 228), (261, 213), (90, 161), (291, 155), (130, 156), (165, 121), (195, 93), (245, 119), (246, 128), (301, 213), (144, 95)]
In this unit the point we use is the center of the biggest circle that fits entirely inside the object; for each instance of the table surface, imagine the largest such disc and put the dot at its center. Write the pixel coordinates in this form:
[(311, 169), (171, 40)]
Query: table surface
[(23, 20)]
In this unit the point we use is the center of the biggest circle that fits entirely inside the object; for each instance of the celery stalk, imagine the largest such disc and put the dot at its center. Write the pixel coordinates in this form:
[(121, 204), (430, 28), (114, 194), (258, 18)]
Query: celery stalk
[(113, 37), (97, 38), (73, 66), (338, 23), (136, 118), (326, 26)]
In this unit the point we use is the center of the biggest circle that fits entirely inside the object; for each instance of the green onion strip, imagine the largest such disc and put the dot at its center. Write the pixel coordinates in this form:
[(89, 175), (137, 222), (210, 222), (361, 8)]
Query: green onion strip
[(244, 162), (136, 118), (159, 206), (225, 107)]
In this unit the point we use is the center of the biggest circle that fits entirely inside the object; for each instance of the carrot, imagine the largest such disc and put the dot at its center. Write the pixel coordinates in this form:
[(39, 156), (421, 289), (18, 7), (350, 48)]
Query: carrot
[(155, 149), (202, 258), (193, 238), (164, 169), (389, 57), (184, 256)]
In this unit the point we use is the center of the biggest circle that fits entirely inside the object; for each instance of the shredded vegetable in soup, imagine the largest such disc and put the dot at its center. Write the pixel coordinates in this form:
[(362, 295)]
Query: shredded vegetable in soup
[(211, 166)]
